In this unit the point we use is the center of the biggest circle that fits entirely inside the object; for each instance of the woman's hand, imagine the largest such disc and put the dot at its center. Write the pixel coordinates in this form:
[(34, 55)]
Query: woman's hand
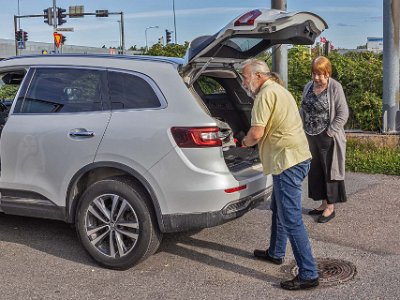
[(330, 133)]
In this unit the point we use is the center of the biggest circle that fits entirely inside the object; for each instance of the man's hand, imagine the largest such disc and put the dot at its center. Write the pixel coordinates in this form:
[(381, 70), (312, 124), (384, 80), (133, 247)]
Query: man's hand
[(253, 136)]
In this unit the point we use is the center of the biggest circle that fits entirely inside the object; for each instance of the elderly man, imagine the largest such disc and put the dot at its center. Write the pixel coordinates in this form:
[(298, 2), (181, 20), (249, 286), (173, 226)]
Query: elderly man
[(277, 128)]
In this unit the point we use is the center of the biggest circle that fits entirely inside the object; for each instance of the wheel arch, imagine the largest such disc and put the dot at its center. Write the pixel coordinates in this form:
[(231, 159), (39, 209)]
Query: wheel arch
[(101, 170)]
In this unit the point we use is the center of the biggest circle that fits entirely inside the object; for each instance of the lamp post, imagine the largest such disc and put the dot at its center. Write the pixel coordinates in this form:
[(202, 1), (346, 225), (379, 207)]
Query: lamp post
[(173, 9), (19, 24), (145, 35)]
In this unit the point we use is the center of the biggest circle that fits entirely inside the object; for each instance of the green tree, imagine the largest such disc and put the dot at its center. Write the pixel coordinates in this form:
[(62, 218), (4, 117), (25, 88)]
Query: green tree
[(170, 50)]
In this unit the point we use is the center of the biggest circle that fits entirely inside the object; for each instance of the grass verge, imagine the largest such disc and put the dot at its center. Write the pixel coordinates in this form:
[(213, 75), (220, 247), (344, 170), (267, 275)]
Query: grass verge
[(366, 157)]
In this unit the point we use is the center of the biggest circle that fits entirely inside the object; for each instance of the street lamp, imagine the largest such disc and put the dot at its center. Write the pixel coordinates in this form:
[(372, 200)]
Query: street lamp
[(145, 34), (173, 9)]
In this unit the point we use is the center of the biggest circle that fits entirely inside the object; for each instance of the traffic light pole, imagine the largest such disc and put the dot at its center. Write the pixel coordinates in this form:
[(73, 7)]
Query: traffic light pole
[(15, 38), (122, 33), (55, 23), (15, 27), (16, 18)]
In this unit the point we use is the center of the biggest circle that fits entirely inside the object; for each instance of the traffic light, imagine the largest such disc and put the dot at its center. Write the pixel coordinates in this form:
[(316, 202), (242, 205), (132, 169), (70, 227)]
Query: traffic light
[(24, 36), (18, 35), (48, 15), (63, 39), (167, 36), (61, 15)]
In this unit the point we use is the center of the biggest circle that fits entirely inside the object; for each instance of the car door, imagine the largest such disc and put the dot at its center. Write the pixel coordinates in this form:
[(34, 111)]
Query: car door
[(56, 125), (252, 33)]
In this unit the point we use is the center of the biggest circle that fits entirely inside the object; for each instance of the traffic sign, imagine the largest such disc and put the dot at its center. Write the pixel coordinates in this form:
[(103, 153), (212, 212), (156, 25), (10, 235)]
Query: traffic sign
[(65, 29), (57, 39), (21, 44)]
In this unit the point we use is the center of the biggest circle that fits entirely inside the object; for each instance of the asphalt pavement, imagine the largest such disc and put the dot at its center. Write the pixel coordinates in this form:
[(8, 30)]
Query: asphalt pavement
[(42, 259)]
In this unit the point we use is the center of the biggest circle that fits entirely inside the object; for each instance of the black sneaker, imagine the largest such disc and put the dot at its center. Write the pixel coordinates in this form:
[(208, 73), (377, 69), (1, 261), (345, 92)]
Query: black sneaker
[(299, 284), (263, 254)]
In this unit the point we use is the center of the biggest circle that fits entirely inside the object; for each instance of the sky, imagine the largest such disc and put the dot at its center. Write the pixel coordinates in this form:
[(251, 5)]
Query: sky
[(350, 21)]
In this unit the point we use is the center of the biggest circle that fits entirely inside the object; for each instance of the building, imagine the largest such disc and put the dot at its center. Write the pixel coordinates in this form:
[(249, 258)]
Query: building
[(375, 44)]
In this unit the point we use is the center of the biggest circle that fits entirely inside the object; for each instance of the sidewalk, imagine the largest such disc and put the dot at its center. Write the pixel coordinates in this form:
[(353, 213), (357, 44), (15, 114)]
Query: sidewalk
[(365, 232)]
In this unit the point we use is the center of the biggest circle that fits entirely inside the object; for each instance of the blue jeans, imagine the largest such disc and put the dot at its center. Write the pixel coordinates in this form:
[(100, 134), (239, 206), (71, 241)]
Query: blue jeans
[(287, 220)]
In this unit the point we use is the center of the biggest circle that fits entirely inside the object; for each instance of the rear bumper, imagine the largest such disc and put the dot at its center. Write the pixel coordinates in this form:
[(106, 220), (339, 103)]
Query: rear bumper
[(233, 210)]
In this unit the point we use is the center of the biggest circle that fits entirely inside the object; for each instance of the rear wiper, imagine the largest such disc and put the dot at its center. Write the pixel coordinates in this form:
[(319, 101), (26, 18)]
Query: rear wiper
[(195, 77)]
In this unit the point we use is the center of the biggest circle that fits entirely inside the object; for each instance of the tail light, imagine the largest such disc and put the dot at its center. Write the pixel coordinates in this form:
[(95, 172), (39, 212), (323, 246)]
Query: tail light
[(235, 189), (196, 137), (248, 18)]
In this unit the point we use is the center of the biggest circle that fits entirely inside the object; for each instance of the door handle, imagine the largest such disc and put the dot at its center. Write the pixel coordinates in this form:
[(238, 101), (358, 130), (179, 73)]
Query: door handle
[(81, 132)]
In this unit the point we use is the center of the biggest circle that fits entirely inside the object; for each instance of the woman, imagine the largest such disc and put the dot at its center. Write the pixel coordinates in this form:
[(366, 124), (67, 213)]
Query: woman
[(324, 112)]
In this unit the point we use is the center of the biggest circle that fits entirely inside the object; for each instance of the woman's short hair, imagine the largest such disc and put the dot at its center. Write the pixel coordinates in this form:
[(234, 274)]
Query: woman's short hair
[(321, 65)]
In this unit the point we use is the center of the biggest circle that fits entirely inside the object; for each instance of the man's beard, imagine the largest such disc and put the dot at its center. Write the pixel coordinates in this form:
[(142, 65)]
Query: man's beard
[(251, 91)]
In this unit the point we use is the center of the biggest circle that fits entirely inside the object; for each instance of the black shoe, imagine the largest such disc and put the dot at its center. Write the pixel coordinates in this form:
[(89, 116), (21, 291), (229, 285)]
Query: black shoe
[(299, 284), (315, 212), (263, 254), (323, 219)]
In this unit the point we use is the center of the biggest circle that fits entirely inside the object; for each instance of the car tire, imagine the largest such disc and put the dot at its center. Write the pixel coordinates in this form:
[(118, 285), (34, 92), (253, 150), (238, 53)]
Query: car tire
[(116, 224)]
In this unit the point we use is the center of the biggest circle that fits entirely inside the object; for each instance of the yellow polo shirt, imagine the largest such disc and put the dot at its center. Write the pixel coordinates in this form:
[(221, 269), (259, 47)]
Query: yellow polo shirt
[(284, 143)]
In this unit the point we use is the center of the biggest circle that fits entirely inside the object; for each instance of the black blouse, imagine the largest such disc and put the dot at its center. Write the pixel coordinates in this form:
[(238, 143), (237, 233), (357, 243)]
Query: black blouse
[(316, 112)]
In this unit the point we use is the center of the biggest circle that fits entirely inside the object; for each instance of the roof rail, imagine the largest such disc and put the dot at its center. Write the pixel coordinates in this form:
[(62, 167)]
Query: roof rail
[(171, 60)]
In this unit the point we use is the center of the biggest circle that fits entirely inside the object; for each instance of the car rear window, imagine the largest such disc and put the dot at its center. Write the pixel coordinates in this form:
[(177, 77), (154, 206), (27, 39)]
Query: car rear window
[(130, 91)]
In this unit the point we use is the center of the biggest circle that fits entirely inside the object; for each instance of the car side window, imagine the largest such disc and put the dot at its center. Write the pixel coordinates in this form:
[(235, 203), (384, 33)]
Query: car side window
[(59, 90), (129, 91)]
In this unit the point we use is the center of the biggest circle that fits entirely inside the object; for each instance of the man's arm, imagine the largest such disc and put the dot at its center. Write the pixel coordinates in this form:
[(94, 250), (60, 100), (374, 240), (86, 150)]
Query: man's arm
[(253, 136)]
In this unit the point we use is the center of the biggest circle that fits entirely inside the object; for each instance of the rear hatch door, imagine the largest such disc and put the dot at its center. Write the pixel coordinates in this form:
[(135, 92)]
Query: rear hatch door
[(254, 32)]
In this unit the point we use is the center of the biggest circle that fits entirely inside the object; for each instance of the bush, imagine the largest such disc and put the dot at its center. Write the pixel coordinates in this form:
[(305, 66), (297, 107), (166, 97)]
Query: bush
[(365, 111), (8, 91)]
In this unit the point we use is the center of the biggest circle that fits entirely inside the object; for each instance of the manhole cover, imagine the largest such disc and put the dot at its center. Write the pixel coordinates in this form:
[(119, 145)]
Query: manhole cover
[(331, 271)]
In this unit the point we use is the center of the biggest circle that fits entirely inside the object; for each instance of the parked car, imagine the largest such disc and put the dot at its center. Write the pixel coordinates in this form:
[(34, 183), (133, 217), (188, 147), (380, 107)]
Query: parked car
[(129, 148)]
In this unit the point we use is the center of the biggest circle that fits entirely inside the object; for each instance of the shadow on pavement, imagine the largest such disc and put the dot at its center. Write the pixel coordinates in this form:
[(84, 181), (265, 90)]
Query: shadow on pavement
[(177, 244), (52, 237)]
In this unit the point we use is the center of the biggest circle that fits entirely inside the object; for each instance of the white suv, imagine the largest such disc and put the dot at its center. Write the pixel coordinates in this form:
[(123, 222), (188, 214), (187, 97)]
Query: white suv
[(128, 148)]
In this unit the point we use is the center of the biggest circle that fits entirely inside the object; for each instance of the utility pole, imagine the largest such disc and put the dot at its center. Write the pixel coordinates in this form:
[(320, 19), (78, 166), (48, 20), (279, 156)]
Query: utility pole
[(391, 113), (279, 52)]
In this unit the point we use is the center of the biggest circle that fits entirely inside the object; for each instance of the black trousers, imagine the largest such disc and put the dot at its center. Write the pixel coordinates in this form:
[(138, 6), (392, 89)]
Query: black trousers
[(320, 185)]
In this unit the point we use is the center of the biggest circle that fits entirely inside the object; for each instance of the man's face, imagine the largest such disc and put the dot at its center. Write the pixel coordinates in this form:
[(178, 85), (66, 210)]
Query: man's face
[(250, 81)]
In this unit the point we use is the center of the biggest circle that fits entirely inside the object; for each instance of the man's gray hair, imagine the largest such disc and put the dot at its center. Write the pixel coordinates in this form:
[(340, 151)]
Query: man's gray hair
[(256, 65)]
